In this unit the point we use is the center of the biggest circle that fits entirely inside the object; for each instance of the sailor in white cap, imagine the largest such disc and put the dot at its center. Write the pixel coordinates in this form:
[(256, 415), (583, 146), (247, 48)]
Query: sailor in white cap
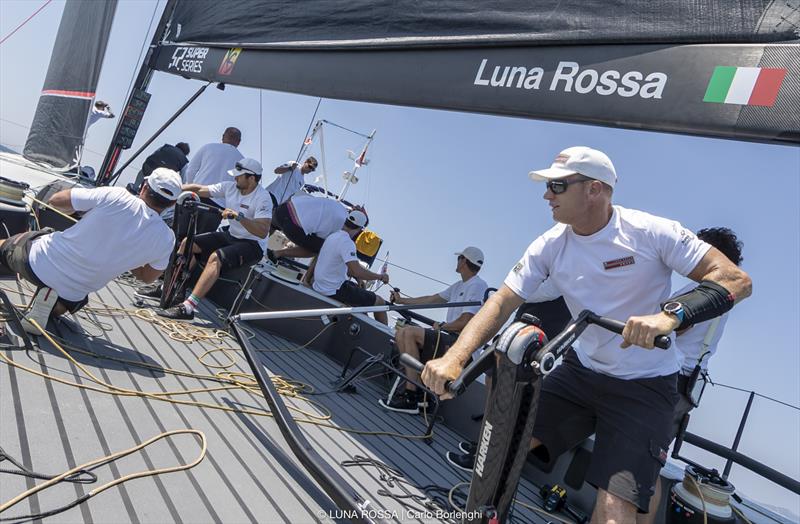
[(617, 262), (118, 232), (426, 344), (248, 208), (338, 260)]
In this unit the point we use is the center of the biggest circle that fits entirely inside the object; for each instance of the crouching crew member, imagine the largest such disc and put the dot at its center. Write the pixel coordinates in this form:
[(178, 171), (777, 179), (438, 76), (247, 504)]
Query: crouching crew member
[(337, 259), (118, 232), (248, 207)]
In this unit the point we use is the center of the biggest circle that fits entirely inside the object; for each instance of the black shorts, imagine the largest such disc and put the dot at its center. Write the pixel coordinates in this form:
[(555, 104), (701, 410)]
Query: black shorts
[(15, 255), (232, 252), (630, 419), (430, 350), (352, 295), (283, 218)]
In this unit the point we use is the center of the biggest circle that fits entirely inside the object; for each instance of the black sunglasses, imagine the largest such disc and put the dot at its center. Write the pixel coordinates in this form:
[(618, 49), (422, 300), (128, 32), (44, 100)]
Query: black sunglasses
[(561, 185), (244, 170)]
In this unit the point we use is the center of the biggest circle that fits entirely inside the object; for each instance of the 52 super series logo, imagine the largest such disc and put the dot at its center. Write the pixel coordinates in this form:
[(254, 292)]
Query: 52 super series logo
[(188, 59)]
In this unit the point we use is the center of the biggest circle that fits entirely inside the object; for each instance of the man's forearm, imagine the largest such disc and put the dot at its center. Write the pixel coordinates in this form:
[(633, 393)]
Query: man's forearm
[(734, 280), (62, 201), (257, 227)]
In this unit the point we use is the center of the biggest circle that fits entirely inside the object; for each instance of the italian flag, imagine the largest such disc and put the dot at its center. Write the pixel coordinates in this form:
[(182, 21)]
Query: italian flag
[(752, 86)]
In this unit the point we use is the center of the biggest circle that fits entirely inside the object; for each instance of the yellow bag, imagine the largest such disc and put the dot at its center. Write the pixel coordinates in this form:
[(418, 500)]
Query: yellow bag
[(368, 243)]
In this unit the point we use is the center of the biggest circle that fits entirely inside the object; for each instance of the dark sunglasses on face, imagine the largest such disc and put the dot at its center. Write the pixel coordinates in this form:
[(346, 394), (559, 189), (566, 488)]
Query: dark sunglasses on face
[(561, 185)]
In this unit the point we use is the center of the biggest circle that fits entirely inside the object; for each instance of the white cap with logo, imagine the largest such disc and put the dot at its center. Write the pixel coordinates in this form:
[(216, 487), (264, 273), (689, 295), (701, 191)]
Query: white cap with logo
[(473, 254), (165, 182), (358, 218), (579, 160), (246, 166)]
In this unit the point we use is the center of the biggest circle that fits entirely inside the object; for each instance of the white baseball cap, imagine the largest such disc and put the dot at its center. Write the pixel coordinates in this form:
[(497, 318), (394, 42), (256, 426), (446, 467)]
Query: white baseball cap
[(473, 254), (579, 159), (358, 218), (165, 182), (246, 166)]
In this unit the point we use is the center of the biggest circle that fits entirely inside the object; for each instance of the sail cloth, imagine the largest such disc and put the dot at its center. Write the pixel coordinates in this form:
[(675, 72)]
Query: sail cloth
[(725, 68), (57, 132)]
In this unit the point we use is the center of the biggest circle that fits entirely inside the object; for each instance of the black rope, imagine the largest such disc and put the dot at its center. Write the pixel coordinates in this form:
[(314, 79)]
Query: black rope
[(433, 500), (25, 472)]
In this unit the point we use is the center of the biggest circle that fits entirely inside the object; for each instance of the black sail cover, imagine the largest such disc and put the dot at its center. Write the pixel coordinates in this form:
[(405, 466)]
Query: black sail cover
[(722, 68), (57, 132)]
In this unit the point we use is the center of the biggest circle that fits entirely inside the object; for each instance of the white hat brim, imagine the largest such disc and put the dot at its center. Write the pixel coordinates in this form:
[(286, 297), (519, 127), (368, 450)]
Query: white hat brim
[(551, 173)]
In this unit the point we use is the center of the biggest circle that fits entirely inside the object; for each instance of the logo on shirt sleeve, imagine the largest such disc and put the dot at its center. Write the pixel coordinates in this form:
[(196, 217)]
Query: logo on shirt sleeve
[(619, 262), (517, 268)]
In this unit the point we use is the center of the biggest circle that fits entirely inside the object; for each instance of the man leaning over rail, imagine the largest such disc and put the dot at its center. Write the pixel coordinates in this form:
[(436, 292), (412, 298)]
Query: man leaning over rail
[(618, 263), (426, 344), (248, 207), (118, 232)]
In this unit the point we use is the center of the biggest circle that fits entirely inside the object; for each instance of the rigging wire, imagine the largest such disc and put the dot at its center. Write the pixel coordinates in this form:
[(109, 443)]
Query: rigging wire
[(141, 52), (412, 271), (25, 22), (756, 394), (346, 129)]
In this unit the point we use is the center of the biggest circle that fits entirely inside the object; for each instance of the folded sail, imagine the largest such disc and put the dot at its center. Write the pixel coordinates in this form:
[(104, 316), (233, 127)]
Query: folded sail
[(624, 63), (57, 132)]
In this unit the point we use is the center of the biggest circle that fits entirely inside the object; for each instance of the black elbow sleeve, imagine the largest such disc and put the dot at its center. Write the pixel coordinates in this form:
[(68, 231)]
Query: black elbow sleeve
[(706, 301)]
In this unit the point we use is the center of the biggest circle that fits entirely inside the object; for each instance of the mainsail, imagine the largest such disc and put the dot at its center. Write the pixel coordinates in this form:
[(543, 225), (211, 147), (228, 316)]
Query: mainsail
[(717, 68), (56, 134)]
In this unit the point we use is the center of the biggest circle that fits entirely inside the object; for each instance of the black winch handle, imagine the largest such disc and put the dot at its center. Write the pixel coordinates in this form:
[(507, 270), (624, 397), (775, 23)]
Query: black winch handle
[(468, 375), (661, 341)]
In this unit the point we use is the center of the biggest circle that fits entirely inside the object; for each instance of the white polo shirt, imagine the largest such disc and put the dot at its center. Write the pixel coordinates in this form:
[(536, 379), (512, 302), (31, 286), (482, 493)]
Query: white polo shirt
[(287, 184), (117, 233), (331, 269), (210, 165), (318, 215), (256, 204), (623, 270), (470, 291)]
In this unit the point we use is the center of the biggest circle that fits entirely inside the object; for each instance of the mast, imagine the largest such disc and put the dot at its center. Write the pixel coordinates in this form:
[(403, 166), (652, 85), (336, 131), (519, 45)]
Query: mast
[(136, 104)]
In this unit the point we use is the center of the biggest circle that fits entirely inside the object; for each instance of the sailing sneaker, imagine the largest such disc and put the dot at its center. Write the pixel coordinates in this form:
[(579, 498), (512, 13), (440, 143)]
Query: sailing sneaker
[(149, 291), (464, 462), (405, 402), (176, 313), (468, 447)]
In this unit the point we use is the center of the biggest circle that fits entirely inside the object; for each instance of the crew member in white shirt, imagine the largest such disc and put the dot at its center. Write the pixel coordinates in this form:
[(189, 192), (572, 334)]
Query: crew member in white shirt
[(338, 260), (307, 221), (695, 346), (249, 210), (618, 263), (291, 177), (209, 166), (425, 344), (118, 232)]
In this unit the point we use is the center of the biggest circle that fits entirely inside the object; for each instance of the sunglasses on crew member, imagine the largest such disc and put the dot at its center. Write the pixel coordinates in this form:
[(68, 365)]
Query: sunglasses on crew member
[(239, 167), (560, 185)]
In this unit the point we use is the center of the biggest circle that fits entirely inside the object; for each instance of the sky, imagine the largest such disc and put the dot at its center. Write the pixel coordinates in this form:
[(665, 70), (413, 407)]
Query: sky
[(439, 181)]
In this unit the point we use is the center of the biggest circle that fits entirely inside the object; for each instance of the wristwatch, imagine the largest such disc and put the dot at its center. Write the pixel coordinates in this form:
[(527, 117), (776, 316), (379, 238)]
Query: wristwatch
[(238, 217), (674, 308)]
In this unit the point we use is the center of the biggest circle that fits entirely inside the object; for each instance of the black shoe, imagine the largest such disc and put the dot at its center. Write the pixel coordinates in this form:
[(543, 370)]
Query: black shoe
[(176, 313), (468, 447), (463, 462), (150, 291), (271, 256), (405, 402)]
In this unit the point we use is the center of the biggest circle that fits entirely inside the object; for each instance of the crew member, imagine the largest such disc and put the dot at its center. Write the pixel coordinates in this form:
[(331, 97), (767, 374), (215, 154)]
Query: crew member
[(695, 346), (208, 167), (118, 232), (307, 221), (337, 260), (290, 179), (618, 263), (425, 344), (249, 210)]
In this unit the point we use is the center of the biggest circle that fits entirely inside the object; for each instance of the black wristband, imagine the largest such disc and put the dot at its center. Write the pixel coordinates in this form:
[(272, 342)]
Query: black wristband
[(706, 301)]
